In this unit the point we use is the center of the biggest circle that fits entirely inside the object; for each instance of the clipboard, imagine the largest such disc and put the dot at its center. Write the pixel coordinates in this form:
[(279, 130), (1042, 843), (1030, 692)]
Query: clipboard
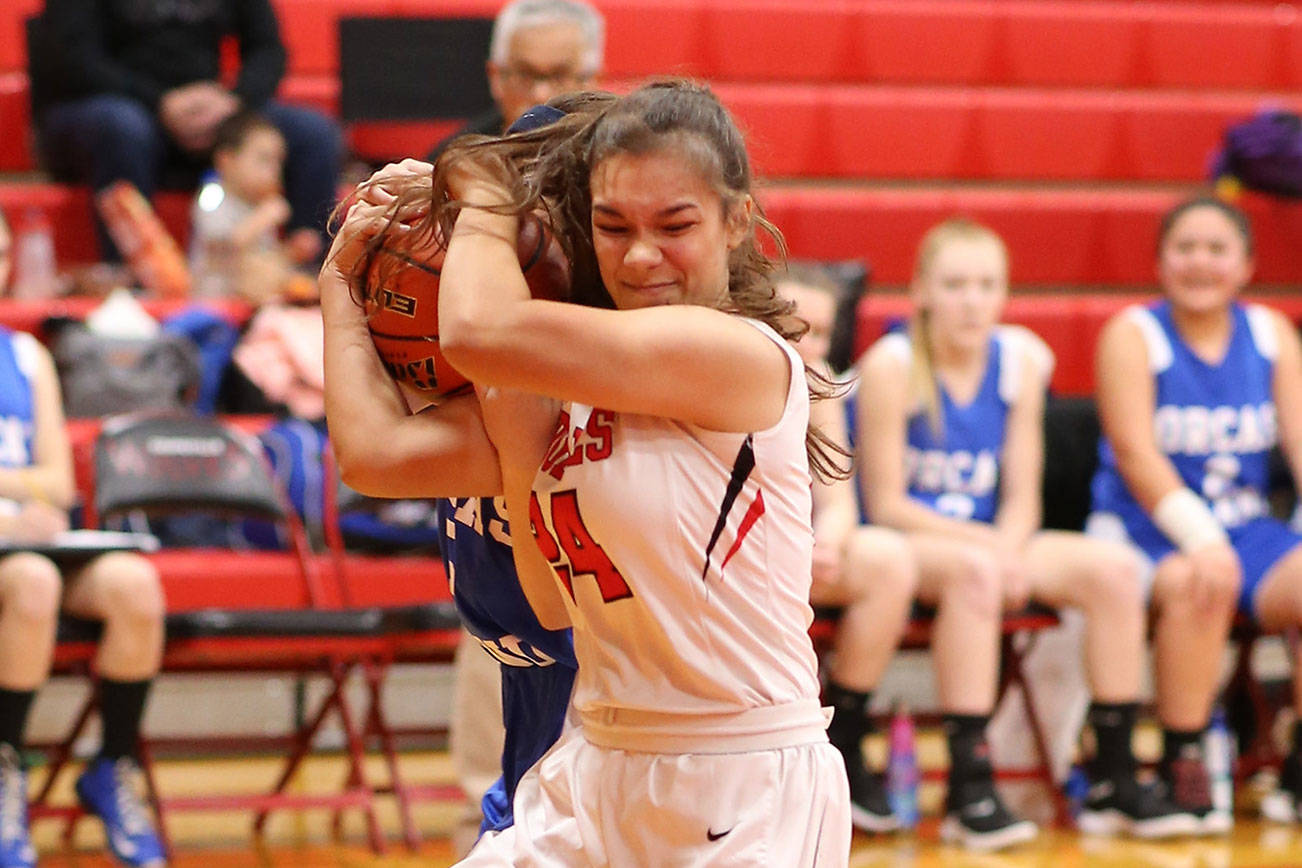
[(85, 544)]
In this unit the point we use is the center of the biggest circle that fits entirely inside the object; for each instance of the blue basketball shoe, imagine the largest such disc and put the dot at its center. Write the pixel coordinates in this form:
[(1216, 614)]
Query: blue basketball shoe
[(110, 789), (15, 840)]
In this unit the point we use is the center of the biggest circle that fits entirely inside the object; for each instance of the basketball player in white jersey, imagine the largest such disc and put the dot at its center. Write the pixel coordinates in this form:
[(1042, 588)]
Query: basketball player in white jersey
[(662, 454)]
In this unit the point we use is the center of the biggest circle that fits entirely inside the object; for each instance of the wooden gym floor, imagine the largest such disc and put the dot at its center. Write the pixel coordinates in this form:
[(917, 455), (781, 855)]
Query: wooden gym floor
[(222, 840)]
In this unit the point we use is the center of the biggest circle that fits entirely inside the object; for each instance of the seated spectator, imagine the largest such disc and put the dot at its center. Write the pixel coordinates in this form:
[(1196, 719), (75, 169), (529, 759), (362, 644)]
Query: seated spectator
[(120, 589), (1194, 391), (133, 92), (235, 247), (539, 49), (867, 571), (950, 437)]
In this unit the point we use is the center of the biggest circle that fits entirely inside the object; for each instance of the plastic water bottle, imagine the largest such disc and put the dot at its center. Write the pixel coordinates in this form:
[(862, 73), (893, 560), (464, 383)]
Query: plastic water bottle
[(34, 257), (1218, 749), (902, 769), (1076, 788)]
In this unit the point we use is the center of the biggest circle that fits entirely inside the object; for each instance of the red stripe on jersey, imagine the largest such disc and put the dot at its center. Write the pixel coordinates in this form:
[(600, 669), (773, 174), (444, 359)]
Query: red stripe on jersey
[(747, 522)]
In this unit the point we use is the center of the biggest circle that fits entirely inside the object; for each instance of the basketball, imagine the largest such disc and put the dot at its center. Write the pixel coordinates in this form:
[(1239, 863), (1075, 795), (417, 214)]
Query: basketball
[(403, 314)]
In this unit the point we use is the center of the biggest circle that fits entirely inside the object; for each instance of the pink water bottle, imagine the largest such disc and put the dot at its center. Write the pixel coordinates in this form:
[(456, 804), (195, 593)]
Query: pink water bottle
[(902, 769)]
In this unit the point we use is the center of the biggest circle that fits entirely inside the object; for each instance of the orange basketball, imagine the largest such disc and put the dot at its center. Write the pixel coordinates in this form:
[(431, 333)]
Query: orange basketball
[(404, 318)]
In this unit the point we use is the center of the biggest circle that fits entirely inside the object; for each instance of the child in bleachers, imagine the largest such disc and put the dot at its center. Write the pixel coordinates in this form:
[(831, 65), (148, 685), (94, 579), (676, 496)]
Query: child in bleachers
[(950, 441), (236, 219), (867, 571), (1194, 391), (121, 589)]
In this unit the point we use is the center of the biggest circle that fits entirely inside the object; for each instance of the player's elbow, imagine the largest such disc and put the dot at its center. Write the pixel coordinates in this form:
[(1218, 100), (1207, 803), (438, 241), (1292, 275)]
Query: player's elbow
[(474, 348), (361, 476), (365, 467), (61, 494), (884, 509), (461, 339)]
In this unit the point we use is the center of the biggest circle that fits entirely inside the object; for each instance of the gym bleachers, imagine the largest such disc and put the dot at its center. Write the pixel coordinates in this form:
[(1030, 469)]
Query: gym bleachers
[(1070, 123)]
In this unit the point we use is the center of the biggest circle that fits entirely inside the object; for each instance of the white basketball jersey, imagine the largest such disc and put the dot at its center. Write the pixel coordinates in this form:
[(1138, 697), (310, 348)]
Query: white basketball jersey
[(685, 556)]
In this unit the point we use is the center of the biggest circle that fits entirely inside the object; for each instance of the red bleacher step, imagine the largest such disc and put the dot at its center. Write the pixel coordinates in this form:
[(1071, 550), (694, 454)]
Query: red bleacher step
[(1069, 323), (1056, 236), (856, 131), (1111, 43)]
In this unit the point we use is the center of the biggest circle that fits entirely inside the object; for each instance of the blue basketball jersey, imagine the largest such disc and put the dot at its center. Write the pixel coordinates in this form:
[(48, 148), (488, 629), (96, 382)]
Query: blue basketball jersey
[(17, 412), (850, 405), (1216, 422), (476, 548), (538, 665), (955, 470)]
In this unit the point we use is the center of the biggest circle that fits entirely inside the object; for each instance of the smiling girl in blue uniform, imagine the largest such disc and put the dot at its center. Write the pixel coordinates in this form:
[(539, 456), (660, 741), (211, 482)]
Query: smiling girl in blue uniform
[(950, 442), (1194, 391)]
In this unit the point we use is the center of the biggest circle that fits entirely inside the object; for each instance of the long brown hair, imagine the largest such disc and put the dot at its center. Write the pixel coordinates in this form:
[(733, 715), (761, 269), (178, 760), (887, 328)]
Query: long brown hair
[(923, 389), (549, 169)]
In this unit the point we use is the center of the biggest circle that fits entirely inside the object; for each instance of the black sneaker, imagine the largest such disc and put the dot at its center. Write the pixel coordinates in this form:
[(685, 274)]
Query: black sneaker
[(870, 811), (1123, 805), (1189, 788), (1284, 803), (976, 818)]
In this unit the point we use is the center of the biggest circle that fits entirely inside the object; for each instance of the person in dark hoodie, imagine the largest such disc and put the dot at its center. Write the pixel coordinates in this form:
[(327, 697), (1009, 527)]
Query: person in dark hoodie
[(131, 90)]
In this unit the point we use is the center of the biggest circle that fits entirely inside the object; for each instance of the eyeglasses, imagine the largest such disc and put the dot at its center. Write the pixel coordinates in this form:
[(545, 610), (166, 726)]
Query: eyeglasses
[(560, 80)]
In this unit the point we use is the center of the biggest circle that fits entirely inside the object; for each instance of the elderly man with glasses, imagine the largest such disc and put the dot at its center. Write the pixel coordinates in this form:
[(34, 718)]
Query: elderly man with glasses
[(539, 49)]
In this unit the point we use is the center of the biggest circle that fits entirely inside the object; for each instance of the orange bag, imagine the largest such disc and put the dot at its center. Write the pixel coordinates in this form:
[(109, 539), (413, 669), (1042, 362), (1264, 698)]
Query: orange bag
[(149, 250)]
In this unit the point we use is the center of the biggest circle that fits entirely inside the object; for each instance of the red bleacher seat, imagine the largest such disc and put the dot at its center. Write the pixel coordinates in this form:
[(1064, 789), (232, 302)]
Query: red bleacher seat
[(1039, 42), (857, 131), (1070, 325), (69, 209), (1057, 237), (13, 38), (1181, 43), (15, 144), (654, 37)]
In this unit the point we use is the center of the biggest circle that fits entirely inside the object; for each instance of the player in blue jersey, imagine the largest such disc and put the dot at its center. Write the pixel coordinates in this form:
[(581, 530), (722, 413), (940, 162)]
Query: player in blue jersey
[(385, 450), (121, 589), (430, 454), (950, 442), (1194, 391), (537, 665)]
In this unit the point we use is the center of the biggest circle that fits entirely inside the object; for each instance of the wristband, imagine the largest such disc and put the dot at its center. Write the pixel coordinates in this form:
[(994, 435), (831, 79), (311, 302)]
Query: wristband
[(35, 491), (1187, 521)]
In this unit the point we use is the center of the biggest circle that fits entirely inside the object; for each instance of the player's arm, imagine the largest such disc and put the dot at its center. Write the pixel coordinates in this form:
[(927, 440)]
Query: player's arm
[(1127, 398), (835, 511), (521, 426), (1021, 460), (1288, 395), (49, 477), (882, 424), (679, 361), (381, 447), (44, 489), (268, 216)]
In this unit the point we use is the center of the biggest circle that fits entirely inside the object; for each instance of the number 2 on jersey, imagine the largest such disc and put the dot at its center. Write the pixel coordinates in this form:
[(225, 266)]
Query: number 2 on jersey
[(577, 553)]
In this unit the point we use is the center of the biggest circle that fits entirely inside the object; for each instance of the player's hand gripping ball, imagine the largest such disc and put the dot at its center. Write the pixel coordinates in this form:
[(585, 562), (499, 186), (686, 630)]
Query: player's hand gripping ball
[(404, 314)]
